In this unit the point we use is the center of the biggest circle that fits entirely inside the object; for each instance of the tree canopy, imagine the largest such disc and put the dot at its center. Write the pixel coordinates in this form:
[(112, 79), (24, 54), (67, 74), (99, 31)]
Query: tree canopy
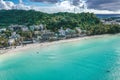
[(52, 21), (86, 21)]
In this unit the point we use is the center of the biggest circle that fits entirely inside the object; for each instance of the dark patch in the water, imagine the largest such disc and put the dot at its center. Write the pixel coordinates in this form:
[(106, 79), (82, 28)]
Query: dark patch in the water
[(108, 71), (37, 52)]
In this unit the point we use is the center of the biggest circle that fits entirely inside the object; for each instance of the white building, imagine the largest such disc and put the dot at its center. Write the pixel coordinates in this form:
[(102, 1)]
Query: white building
[(41, 26), (62, 32), (11, 41), (25, 28), (68, 30), (3, 29), (14, 36), (78, 30)]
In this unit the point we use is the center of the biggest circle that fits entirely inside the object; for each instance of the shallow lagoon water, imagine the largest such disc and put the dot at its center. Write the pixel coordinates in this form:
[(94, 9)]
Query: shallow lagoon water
[(91, 59)]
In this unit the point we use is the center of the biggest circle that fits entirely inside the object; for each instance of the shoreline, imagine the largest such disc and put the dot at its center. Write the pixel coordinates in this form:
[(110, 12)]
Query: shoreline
[(45, 44)]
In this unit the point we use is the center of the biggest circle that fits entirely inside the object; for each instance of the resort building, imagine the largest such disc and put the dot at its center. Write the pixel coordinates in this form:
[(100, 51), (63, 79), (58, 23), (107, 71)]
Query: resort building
[(61, 32), (14, 36), (48, 35), (14, 27), (11, 41), (25, 28), (37, 27), (32, 28), (18, 27), (41, 27), (3, 29), (27, 42), (78, 30)]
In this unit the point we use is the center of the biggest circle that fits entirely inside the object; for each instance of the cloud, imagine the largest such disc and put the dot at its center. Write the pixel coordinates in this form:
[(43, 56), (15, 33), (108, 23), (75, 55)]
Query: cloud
[(65, 6), (112, 5), (49, 1), (77, 6)]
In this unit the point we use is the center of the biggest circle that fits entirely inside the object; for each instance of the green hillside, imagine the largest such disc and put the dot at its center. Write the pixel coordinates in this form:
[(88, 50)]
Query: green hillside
[(31, 17)]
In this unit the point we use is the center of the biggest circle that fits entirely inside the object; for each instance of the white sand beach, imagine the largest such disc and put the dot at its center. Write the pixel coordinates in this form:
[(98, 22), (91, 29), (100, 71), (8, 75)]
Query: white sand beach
[(45, 44)]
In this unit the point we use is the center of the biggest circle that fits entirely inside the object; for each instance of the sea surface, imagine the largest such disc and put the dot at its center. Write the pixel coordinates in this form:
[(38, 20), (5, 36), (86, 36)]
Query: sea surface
[(89, 59), (107, 15)]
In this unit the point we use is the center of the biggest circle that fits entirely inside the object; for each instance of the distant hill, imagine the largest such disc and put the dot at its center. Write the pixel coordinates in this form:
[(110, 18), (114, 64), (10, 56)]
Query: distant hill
[(52, 21)]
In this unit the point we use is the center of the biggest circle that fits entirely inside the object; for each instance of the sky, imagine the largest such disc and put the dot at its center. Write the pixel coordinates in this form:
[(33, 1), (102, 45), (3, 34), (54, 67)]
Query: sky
[(108, 5)]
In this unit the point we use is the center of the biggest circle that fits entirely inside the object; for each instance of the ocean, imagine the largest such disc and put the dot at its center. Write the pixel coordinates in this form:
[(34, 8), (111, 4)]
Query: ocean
[(89, 59), (107, 15)]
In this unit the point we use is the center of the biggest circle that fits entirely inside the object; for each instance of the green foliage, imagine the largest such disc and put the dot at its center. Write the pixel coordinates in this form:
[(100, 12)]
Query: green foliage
[(86, 21), (104, 29), (3, 42), (26, 35), (52, 21)]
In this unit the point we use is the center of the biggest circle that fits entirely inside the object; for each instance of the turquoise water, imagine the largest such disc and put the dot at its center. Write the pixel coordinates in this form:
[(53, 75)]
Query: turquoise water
[(91, 59)]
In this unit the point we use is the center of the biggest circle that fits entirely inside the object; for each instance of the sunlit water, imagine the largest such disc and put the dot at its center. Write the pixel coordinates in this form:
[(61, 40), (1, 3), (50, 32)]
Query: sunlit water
[(91, 59)]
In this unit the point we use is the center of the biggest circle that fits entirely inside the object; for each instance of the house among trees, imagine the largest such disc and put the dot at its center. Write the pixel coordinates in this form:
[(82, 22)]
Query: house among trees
[(27, 42), (25, 28), (32, 28), (14, 27), (3, 29), (37, 27), (11, 42), (78, 30), (48, 35), (18, 28), (15, 36), (61, 33)]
